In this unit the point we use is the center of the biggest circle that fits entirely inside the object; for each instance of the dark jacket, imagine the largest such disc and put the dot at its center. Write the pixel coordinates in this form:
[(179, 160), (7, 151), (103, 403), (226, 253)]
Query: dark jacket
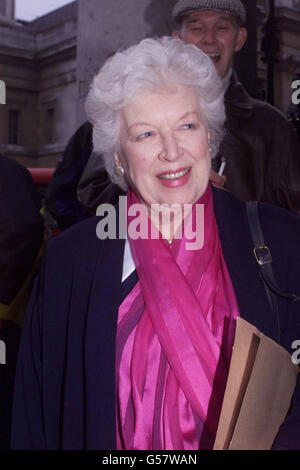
[(261, 150), (61, 197), (65, 381), (21, 227), (21, 236), (260, 146)]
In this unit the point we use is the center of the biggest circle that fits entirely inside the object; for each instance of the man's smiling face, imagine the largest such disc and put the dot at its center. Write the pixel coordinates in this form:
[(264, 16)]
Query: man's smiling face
[(217, 34)]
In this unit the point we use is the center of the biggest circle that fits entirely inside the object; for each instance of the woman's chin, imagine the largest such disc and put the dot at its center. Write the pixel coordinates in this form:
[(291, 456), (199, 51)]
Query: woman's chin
[(183, 197)]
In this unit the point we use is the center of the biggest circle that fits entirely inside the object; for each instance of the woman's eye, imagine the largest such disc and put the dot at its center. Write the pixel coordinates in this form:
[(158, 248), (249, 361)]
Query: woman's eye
[(189, 126), (144, 135)]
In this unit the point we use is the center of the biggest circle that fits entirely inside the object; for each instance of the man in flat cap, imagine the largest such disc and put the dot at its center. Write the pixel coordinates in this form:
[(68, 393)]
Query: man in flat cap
[(260, 152), (216, 27)]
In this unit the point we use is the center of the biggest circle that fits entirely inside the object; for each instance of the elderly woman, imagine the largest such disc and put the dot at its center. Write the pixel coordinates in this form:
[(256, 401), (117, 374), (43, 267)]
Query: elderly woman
[(127, 345)]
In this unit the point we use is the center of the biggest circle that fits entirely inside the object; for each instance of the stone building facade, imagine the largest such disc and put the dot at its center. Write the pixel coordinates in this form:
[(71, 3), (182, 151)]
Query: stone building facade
[(47, 65), (38, 67), (106, 26)]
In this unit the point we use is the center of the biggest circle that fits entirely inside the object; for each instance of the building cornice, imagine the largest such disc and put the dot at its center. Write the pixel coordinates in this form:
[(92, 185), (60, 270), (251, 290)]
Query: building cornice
[(66, 49)]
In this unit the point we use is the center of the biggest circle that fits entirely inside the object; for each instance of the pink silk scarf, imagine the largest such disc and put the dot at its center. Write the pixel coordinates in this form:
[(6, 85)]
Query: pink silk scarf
[(174, 340)]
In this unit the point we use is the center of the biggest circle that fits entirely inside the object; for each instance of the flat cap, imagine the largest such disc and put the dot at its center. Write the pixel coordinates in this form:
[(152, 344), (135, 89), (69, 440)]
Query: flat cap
[(231, 7)]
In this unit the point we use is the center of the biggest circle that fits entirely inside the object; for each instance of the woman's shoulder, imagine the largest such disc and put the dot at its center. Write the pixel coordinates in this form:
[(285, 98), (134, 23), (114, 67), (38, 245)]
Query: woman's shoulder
[(75, 245), (81, 232), (278, 224)]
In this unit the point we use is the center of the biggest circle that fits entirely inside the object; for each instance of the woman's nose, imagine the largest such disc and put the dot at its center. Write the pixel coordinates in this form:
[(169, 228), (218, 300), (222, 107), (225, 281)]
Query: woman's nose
[(170, 149)]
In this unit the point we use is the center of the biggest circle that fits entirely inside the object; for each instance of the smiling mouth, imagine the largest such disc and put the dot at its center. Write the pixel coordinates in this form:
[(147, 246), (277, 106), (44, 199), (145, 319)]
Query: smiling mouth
[(174, 176), (214, 56)]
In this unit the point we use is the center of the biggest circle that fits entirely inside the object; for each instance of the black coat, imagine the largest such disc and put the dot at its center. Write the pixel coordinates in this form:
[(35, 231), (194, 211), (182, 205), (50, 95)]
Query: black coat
[(65, 381), (21, 227), (21, 236)]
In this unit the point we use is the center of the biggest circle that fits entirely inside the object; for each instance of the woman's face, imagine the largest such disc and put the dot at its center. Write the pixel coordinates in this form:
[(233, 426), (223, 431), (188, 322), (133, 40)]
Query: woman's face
[(164, 147)]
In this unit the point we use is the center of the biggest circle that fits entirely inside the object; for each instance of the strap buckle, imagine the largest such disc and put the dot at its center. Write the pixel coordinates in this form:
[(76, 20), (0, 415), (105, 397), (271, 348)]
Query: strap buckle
[(262, 255)]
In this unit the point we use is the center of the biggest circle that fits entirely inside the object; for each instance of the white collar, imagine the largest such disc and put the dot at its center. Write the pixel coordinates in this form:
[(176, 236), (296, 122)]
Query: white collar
[(128, 263)]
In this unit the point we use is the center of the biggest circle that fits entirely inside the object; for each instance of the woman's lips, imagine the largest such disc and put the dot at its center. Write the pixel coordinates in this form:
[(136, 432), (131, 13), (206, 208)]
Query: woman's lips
[(174, 179)]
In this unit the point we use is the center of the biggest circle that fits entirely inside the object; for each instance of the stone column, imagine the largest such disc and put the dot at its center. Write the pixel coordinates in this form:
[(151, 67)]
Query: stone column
[(7, 9), (109, 25)]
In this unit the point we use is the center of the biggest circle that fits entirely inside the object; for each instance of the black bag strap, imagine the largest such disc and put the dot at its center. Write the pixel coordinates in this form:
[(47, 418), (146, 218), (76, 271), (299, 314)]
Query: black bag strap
[(264, 260)]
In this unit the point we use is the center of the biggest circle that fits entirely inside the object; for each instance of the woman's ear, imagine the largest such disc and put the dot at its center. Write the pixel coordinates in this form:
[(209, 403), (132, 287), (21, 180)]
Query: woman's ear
[(208, 138), (117, 160)]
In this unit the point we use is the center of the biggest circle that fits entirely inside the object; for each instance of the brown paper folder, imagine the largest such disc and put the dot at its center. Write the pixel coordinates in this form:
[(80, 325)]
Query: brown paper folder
[(258, 394)]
